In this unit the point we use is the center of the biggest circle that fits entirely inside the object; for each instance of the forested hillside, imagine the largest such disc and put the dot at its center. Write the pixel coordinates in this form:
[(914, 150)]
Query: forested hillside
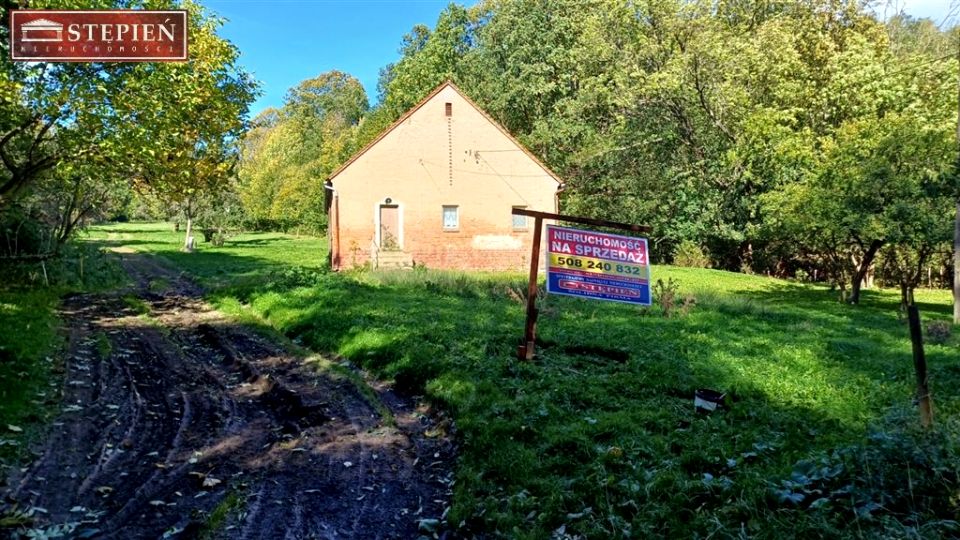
[(796, 139)]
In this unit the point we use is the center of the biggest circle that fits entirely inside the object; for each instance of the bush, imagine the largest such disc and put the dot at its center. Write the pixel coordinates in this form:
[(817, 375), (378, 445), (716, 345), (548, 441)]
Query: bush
[(938, 332), (691, 255), (667, 296), (293, 277)]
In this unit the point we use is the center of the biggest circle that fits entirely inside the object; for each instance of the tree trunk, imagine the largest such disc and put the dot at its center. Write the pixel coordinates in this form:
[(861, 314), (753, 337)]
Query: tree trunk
[(862, 269), (956, 222), (855, 290), (187, 243), (956, 263)]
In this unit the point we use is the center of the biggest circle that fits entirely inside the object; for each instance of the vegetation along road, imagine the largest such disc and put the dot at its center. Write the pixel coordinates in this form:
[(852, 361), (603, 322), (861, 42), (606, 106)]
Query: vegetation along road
[(597, 438), (177, 422)]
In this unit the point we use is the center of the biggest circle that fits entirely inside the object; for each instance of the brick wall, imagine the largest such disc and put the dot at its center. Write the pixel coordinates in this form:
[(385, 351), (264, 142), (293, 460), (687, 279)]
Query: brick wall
[(436, 248)]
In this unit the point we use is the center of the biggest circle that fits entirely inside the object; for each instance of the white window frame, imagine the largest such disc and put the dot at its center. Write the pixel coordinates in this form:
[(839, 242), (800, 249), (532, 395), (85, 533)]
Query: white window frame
[(443, 217)]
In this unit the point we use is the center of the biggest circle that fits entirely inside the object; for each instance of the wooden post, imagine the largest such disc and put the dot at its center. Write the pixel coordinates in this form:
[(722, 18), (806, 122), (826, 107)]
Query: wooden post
[(527, 350), (920, 366)]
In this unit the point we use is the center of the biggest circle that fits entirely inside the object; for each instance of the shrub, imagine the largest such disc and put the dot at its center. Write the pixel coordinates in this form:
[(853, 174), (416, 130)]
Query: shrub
[(691, 255), (23, 234), (938, 332), (293, 277), (666, 295)]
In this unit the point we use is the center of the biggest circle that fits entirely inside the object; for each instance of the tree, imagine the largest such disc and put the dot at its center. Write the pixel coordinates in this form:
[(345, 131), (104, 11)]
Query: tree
[(705, 119), (428, 58), (152, 123), (877, 186), (289, 153)]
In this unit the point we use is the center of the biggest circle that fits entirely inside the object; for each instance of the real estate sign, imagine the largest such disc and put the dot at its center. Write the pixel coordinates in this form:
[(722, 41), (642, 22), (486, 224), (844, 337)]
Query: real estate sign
[(598, 265)]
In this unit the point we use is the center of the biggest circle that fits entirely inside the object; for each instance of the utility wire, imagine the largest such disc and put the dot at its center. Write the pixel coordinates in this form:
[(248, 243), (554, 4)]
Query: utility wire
[(504, 180)]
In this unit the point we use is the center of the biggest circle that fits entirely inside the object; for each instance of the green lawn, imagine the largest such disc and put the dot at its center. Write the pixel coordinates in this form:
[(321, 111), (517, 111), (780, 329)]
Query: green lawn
[(598, 436), (28, 341), (243, 258)]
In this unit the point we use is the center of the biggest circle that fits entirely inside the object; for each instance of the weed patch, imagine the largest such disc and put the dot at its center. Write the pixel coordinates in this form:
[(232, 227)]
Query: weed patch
[(231, 506)]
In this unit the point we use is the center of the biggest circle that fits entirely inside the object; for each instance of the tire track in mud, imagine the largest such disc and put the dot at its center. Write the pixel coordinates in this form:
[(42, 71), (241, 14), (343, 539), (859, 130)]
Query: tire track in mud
[(168, 416)]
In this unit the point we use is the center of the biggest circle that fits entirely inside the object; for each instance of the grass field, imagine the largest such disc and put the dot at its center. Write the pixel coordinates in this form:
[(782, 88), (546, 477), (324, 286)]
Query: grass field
[(598, 437), (244, 257), (30, 365)]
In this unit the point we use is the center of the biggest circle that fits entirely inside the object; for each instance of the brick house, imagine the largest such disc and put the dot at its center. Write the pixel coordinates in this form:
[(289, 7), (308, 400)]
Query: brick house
[(437, 188)]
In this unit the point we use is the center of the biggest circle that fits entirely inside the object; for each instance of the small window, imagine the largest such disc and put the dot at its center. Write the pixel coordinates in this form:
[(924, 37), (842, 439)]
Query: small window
[(448, 109), (519, 222), (451, 218)]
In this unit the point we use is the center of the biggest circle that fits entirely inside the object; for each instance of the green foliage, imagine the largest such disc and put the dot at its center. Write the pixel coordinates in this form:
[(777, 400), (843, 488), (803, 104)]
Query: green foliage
[(231, 506), (29, 337), (74, 137), (902, 479), (691, 255), (598, 435), (428, 58), (289, 153), (718, 124), (666, 295), (22, 233)]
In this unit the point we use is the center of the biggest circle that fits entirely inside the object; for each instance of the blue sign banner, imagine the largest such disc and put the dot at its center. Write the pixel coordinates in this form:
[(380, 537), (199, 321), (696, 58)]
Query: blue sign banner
[(596, 265)]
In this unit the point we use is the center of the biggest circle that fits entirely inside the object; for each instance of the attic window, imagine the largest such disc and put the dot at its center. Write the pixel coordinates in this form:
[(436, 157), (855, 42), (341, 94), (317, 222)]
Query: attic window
[(448, 109)]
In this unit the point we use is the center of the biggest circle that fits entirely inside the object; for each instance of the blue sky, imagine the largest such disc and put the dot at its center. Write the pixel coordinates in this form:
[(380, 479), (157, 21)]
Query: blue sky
[(283, 42)]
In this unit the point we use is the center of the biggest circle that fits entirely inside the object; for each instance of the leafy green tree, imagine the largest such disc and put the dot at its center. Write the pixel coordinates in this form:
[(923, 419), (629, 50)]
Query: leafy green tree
[(877, 187), (288, 153), (428, 58), (168, 126), (696, 116)]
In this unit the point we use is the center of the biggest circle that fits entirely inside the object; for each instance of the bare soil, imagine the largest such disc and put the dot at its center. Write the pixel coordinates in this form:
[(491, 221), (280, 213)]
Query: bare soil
[(177, 423)]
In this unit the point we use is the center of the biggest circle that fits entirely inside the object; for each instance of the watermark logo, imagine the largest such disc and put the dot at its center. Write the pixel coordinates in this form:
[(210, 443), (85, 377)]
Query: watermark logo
[(124, 35)]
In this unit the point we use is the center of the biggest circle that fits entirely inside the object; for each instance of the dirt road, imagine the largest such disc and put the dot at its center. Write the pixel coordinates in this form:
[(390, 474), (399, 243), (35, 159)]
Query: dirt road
[(177, 423)]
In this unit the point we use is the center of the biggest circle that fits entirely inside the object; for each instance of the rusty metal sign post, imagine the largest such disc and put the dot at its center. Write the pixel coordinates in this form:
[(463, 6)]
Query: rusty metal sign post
[(528, 348)]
